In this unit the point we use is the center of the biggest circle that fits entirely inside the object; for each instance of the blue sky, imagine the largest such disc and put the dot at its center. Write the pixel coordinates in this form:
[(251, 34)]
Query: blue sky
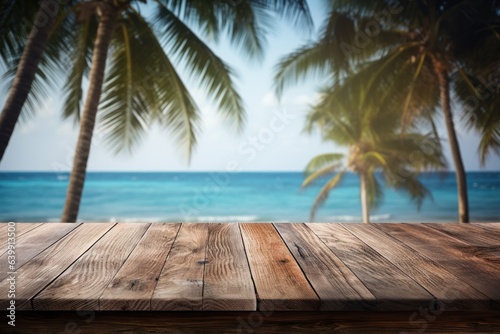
[(271, 141)]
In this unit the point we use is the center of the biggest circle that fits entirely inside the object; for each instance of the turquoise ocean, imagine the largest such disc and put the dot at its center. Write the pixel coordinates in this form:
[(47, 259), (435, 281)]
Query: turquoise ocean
[(233, 197)]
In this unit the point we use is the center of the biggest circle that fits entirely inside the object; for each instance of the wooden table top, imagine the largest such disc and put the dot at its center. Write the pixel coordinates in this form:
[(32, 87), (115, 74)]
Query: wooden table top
[(253, 266)]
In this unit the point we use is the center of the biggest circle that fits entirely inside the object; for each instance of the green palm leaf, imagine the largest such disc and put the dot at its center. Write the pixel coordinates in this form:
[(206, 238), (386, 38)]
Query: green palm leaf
[(82, 55), (323, 160), (211, 72), (324, 192), (311, 60)]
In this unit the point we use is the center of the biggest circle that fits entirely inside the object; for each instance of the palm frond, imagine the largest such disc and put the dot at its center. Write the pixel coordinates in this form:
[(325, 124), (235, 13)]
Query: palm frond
[(15, 26), (246, 22), (135, 95), (52, 62), (309, 61), (211, 72), (123, 112), (323, 160), (318, 173), (324, 192), (413, 187), (82, 56)]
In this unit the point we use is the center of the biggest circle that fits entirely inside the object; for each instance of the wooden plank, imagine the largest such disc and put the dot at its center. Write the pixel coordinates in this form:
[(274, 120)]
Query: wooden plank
[(227, 282), (482, 243), (37, 273), (446, 287), (33, 243), (133, 285), (437, 247), (180, 286), (470, 234), (393, 289), (337, 286), (21, 229), (279, 281), (80, 286), (493, 226), (289, 322)]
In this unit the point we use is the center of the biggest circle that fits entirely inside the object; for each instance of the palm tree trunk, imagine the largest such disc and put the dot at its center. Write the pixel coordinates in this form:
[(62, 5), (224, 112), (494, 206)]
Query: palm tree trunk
[(108, 14), (364, 199), (444, 86), (26, 71)]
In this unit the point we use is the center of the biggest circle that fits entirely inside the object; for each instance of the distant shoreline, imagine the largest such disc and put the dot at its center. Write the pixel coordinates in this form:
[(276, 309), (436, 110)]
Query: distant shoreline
[(233, 197)]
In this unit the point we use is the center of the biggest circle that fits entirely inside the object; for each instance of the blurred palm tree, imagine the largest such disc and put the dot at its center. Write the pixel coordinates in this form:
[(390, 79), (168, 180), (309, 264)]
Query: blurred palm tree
[(434, 49), (141, 83), (376, 145), (21, 52)]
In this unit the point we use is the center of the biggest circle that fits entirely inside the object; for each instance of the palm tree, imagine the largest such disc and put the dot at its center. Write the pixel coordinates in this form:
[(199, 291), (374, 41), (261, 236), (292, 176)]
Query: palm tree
[(142, 84), (376, 144), (421, 46), (14, 44)]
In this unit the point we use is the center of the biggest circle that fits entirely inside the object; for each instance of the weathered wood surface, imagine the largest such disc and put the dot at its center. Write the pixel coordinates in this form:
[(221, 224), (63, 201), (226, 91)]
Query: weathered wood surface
[(134, 284), (42, 269), (80, 286), (20, 229), (227, 282), (279, 281), (336, 285), (180, 286), (436, 279), (34, 242), (253, 322), (6, 235), (256, 267), (392, 288), (442, 250), (470, 234)]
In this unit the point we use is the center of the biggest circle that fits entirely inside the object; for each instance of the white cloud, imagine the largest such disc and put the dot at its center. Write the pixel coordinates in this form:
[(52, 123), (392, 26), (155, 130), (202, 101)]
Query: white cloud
[(307, 99), (270, 100)]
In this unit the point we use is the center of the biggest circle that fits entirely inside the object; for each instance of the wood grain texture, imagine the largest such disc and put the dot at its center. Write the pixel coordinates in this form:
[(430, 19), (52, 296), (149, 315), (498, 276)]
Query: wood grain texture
[(488, 226), (34, 242), (439, 248), (21, 228), (470, 234), (482, 243), (227, 282), (279, 281), (446, 287), (336, 285), (389, 267), (180, 286), (393, 289), (37, 273), (80, 286), (289, 322), (133, 285)]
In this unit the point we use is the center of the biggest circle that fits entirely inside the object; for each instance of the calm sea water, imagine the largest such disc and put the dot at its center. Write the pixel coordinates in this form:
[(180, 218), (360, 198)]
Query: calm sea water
[(240, 197)]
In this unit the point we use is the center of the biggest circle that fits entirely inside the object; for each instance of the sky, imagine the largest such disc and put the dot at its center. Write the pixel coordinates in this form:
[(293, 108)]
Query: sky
[(272, 140)]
